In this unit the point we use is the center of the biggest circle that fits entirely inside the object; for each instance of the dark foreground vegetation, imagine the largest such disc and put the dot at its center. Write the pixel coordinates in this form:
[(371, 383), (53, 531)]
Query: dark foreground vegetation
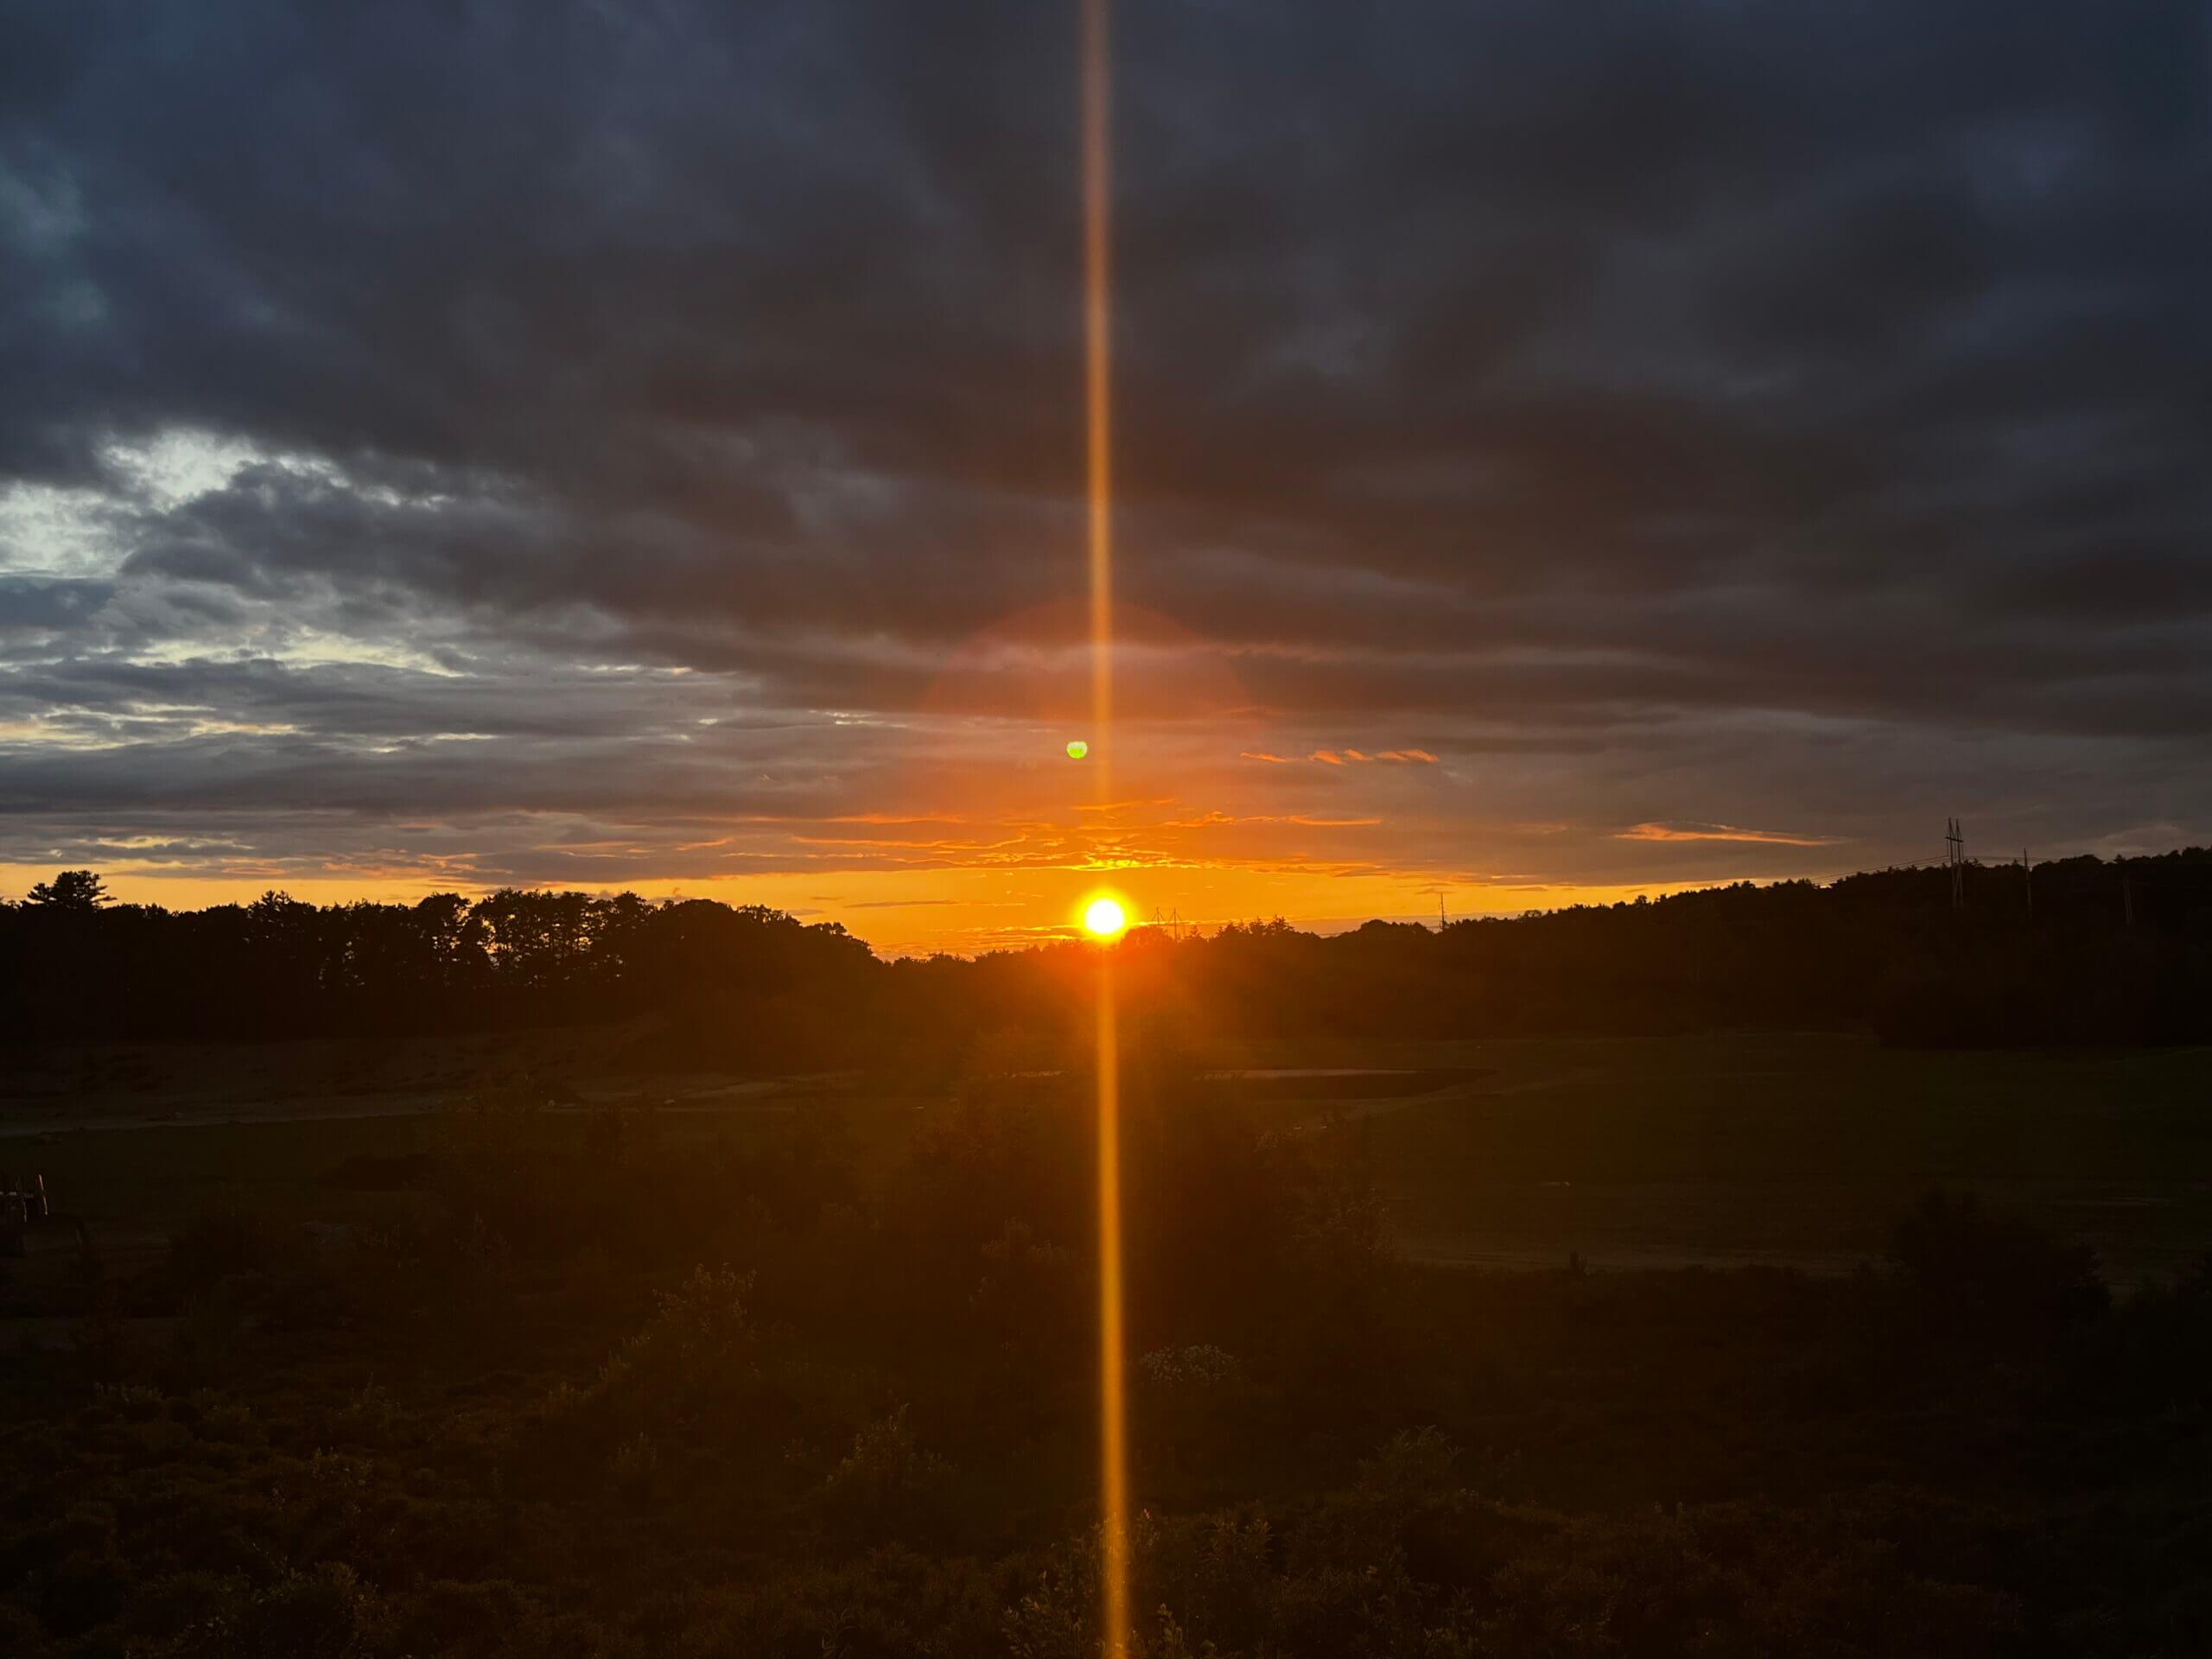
[(617, 1383), (2075, 951)]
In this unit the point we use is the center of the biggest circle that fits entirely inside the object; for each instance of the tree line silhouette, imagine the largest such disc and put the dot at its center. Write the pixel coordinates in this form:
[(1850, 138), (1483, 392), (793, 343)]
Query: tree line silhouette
[(2074, 951)]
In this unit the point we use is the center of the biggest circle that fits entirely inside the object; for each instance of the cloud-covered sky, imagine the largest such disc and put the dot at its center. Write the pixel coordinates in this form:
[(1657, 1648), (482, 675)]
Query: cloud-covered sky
[(1561, 448)]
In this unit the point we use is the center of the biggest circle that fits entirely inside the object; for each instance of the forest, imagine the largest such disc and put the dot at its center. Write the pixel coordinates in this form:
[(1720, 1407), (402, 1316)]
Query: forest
[(2079, 950)]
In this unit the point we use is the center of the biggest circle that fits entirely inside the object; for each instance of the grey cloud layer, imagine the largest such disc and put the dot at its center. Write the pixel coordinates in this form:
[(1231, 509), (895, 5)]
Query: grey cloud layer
[(1555, 388)]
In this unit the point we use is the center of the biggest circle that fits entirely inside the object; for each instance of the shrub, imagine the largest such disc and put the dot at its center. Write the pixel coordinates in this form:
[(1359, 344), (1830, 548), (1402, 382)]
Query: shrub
[(1413, 1463), (888, 1486), (1993, 1275), (697, 1355)]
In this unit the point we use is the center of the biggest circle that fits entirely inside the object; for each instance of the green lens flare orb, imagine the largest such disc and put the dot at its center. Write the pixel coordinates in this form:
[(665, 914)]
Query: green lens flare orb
[(1077, 749)]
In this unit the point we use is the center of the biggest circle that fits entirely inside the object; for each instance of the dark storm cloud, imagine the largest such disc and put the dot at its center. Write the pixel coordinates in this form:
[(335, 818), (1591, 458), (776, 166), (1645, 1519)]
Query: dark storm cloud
[(33, 605), (1531, 379)]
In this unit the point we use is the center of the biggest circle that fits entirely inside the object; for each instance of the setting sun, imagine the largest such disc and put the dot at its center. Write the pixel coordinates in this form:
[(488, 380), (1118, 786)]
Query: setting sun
[(1104, 917)]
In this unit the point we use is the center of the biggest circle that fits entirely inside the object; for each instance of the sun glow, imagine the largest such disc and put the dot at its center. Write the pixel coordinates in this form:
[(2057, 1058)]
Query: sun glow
[(1104, 917)]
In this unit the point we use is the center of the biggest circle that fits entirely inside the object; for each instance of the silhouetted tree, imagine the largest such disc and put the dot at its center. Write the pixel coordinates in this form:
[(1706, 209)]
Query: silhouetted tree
[(2110, 953), (70, 889)]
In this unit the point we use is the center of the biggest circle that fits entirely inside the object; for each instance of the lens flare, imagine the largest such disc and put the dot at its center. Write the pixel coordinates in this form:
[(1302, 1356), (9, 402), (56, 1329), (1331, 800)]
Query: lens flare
[(1077, 749), (1104, 918), (1113, 1407)]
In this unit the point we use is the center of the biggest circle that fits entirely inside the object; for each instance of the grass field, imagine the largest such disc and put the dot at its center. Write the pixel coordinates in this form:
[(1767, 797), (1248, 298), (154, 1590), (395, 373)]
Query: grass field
[(1795, 1150)]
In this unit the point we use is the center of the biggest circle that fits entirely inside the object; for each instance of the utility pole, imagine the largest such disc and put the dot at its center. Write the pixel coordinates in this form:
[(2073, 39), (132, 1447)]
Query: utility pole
[(2028, 879), (1954, 858)]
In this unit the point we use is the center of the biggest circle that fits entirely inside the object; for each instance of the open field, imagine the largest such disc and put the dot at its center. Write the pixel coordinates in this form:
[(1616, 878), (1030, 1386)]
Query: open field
[(1797, 1150), (1793, 1150)]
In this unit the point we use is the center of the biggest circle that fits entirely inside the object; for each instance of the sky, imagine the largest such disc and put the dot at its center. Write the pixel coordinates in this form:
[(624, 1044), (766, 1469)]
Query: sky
[(1563, 452)]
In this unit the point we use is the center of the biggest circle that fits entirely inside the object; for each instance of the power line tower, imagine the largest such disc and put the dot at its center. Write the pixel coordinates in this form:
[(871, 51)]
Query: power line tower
[(1954, 859)]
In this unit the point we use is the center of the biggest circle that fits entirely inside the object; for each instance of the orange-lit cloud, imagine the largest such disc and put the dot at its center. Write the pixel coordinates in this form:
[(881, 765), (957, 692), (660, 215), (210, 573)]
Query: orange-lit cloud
[(1347, 758), (1721, 832)]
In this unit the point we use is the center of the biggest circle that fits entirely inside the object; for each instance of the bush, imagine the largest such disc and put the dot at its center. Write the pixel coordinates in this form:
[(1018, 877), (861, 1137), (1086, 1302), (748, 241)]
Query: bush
[(1991, 1274), (324, 1612), (888, 1486), (697, 1357)]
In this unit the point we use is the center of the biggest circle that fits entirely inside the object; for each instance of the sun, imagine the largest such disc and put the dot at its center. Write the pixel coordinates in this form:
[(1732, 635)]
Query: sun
[(1104, 917)]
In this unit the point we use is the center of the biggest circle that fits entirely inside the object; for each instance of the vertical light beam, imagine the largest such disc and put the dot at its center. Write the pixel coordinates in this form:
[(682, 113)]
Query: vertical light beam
[(1113, 1452), (1098, 420), (1098, 364)]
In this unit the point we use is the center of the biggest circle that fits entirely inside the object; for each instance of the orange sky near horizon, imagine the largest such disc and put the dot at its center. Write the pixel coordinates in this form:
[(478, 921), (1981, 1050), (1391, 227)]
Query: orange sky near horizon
[(961, 823), (968, 851), (963, 911)]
